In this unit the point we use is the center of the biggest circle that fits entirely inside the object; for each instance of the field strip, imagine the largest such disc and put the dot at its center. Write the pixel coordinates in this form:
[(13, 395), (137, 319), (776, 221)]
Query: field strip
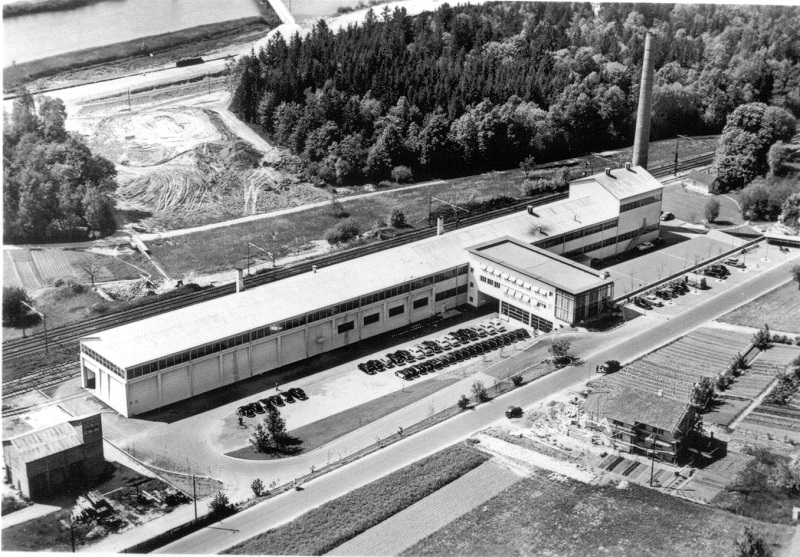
[(756, 402), (406, 528)]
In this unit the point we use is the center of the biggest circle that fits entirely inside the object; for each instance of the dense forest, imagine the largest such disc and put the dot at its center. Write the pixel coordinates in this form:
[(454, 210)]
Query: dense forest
[(478, 87), (53, 187)]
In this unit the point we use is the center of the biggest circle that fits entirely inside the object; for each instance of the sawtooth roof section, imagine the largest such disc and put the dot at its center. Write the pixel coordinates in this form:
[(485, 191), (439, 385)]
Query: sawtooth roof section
[(624, 183)]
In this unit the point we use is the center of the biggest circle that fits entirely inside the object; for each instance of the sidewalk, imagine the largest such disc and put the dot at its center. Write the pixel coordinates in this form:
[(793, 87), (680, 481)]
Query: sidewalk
[(26, 514)]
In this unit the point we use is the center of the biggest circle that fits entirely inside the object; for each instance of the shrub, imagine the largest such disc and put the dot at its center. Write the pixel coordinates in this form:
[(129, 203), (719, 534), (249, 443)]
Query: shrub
[(560, 349), (517, 380), (397, 218), (14, 308), (337, 209), (220, 504), (751, 544), (712, 209), (343, 232), (258, 487), (762, 338), (479, 391), (463, 402), (402, 175)]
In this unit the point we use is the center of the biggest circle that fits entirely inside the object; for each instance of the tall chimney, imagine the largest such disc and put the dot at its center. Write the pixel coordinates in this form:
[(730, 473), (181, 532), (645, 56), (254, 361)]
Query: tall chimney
[(641, 143), (239, 280)]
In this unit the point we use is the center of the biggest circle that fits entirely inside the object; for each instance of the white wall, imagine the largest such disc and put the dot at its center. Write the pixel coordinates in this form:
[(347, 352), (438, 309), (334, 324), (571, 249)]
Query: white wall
[(265, 355)]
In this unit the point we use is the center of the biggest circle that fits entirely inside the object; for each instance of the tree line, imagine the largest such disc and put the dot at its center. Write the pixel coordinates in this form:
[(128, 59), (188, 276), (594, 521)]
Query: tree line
[(53, 186), (478, 87)]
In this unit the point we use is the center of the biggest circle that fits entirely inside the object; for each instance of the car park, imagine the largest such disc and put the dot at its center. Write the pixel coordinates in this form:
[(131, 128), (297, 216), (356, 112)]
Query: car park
[(298, 393), (277, 400), (513, 412)]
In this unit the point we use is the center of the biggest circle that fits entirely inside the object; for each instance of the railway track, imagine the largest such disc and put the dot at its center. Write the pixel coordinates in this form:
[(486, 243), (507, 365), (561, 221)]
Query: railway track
[(18, 348), (41, 379)]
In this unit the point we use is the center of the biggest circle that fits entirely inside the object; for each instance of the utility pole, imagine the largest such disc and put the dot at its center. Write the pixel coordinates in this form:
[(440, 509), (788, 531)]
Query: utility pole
[(129, 99), (677, 139), (430, 202), (652, 457), (194, 496)]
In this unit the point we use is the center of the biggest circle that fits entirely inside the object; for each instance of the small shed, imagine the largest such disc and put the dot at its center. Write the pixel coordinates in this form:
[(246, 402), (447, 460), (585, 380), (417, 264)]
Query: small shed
[(52, 460), (704, 181)]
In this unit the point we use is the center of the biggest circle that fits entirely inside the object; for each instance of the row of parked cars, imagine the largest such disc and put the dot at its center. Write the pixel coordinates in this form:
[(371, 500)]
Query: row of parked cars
[(261, 406), (485, 337), (677, 288)]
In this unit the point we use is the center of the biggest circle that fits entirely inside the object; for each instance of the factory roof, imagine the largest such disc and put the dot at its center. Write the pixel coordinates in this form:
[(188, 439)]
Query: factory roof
[(47, 441), (540, 264), (624, 182), (199, 324)]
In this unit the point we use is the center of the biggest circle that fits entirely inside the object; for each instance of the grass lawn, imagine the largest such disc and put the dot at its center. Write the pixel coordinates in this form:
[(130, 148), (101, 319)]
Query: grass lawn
[(689, 206), (317, 434), (780, 309), (546, 517), (330, 525)]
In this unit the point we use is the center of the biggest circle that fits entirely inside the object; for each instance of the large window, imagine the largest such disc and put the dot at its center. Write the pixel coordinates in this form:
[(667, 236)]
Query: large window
[(344, 327), (565, 306), (397, 310), (639, 203), (421, 303), (370, 319)]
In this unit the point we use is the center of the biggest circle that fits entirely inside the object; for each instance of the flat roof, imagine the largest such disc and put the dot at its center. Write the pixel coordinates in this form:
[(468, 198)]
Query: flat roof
[(624, 182), (199, 324), (540, 264)]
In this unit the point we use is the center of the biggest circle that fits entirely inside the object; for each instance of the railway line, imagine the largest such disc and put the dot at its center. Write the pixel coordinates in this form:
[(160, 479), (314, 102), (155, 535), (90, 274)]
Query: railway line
[(19, 348)]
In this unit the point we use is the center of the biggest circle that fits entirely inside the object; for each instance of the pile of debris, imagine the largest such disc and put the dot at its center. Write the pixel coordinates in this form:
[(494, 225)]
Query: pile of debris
[(131, 289), (94, 509)]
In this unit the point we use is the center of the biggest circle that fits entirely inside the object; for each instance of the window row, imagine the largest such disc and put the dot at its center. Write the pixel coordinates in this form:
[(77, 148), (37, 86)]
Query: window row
[(491, 282), (639, 203), (451, 292), (101, 360), (574, 235)]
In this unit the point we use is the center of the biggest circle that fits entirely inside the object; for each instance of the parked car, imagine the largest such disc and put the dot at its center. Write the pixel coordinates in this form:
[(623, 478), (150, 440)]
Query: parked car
[(639, 302), (298, 393), (258, 408), (499, 325), (720, 269), (407, 355), (277, 400), (524, 333), (653, 300), (241, 411), (266, 403), (444, 343), (249, 412), (426, 352), (734, 262), (458, 355), (387, 363), (437, 363), (610, 366), (513, 412), (404, 374), (667, 216), (451, 338), (287, 396), (480, 332), (663, 294), (644, 246), (431, 345)]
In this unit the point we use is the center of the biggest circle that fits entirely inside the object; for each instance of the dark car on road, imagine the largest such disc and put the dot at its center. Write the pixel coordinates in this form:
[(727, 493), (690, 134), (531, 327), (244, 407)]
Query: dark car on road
[(513, 412)]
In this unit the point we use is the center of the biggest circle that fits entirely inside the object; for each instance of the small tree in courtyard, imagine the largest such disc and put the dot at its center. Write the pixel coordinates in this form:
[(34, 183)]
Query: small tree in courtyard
[(463, 402), (712, 209), (261, 439), (560, 349), (276, 425), (751, 544), (762, 338)]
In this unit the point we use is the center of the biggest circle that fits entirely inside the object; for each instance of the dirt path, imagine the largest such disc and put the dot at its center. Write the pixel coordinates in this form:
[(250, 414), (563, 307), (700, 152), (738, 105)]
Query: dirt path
[(420, 520)]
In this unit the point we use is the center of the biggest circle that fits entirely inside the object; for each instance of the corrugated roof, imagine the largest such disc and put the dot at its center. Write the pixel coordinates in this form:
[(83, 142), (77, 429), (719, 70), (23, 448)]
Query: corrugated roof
[(706, 178), (51, 440), (624, 183), (635, 407), (180, 330), (540, 264)]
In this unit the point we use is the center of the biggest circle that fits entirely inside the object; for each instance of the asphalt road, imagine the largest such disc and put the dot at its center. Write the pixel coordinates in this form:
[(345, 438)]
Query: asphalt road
[(290, 505)]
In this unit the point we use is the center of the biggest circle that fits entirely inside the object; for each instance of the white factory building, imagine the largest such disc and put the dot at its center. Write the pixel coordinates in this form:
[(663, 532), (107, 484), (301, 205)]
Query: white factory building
[(528, 263)]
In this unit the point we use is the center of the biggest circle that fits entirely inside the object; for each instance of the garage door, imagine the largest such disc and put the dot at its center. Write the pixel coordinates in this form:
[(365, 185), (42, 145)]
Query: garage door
[(205, 376), (293, 347), (265, 356), (143, 395), (230, 371), (175, 385)]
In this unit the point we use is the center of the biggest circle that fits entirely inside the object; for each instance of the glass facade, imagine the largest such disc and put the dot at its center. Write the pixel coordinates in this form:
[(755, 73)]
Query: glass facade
[(573, 309), (525, 317)]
